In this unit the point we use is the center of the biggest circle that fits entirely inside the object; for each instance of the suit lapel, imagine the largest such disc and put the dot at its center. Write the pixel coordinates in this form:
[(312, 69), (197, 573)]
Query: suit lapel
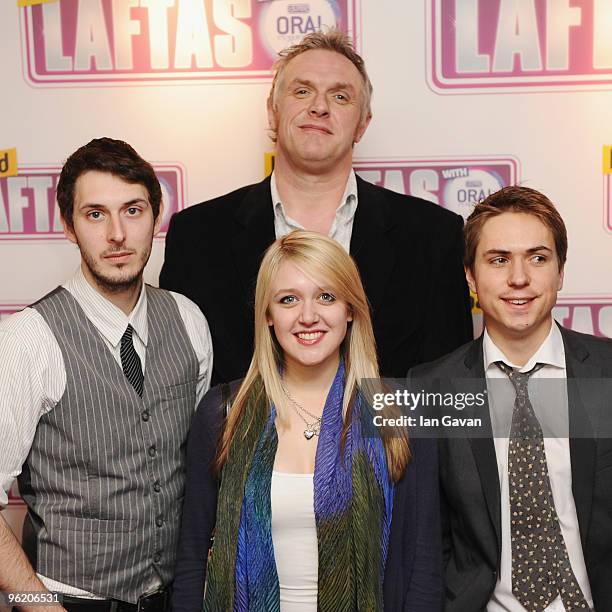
[(370, 247), (255, 217), (583, 404), (483, 448)]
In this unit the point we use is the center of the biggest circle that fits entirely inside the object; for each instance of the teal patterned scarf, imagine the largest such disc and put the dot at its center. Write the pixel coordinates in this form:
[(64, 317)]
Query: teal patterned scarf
[(353, 502)]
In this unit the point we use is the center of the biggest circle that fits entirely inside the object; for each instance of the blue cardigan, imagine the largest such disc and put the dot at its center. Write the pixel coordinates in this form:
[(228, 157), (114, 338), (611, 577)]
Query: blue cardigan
[(413, 574)]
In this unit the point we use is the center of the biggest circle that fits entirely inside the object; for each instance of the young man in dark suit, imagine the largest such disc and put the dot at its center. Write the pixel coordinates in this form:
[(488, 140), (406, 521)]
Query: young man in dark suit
[(408, 250), (527, 515)]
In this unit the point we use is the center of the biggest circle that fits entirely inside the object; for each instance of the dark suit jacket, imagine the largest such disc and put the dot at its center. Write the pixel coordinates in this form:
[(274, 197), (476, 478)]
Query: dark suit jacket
[(409, 253), (470, 488), (413, 574)]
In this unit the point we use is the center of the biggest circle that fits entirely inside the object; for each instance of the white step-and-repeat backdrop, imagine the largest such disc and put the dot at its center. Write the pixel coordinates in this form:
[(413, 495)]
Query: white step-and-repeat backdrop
[(469, 95)]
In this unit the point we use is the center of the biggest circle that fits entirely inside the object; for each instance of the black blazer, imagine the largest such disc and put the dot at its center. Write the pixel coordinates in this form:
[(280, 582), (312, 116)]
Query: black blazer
[(413, 574), (409, 254), (470, 488)]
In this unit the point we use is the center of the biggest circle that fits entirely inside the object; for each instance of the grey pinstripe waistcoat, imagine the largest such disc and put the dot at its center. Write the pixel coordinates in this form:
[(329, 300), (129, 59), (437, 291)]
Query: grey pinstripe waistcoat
[(104, 478)]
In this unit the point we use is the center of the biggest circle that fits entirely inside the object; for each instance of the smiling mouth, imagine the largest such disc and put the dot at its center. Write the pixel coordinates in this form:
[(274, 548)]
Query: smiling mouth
[(518, 301), (309, 337)]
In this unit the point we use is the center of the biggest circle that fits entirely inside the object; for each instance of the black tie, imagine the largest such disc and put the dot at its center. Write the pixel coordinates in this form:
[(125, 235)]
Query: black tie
[(541, 568), (130, 362)]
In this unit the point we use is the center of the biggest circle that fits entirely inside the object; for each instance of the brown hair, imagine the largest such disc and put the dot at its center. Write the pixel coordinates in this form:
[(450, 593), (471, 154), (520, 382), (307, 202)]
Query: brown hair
[(519, 200), (333, 40), (106, 155)]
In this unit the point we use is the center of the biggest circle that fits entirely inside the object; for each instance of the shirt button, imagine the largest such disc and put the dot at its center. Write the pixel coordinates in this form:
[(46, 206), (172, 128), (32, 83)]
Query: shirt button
[(156, 486), (159, 521), (152, 451), (145, 415), (156, 557)]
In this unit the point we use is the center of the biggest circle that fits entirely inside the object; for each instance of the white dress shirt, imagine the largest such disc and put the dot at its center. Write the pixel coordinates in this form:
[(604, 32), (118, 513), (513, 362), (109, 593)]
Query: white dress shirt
[(552, 354), (33, 376), (342, 227)]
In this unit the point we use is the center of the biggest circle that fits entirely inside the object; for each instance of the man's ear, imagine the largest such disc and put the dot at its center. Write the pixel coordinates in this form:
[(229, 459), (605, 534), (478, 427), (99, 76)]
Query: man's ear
[(160, 216), (361, 129), (561, 275), (68, 230), (471, 281), (272, 123)]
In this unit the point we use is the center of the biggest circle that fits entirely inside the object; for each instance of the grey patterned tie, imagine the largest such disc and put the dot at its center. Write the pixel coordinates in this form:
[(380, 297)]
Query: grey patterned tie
[(541, 569), (130, 362)]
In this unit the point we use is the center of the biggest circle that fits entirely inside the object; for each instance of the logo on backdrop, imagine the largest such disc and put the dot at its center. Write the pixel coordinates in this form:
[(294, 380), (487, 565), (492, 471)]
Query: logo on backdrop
[(28, 209), (586, 314), (533, 44), (106, 42), (453, 183), (607, 186), (8, 162), (456, 183)]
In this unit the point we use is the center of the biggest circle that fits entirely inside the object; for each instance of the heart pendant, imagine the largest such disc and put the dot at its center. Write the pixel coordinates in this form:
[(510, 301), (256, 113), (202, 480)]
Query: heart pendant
[(308, 433)]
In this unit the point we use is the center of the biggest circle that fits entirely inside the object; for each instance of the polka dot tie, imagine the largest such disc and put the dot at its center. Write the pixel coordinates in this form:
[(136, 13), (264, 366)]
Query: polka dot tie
[(541, 568), (130, 362)]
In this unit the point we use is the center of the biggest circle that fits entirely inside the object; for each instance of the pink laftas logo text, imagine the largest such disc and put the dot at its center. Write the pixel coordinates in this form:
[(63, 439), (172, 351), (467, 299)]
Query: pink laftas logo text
[(454, 183), (527, 45), (126, 41), (28, 209), (586, 314)]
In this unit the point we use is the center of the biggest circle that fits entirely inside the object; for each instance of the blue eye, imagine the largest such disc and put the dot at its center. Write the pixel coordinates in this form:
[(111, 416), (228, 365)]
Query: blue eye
[(288, 299), (327, 297)]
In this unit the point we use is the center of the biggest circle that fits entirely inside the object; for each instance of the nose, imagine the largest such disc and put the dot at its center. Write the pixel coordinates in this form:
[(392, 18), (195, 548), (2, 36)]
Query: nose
[(115, 230), (319, 106), (309, 314), (518, 274)]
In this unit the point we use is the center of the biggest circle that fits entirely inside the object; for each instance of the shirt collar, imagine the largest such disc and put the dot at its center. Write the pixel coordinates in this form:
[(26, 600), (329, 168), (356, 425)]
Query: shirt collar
[(551, 352), (109, 320), (347, 207)]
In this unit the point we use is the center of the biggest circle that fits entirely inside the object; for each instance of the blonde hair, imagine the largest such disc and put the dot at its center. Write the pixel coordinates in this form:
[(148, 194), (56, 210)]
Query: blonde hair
[(323, 258)]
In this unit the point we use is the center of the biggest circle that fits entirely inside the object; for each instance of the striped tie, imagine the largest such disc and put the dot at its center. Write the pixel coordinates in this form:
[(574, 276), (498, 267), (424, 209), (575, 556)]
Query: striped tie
[(130, 362)]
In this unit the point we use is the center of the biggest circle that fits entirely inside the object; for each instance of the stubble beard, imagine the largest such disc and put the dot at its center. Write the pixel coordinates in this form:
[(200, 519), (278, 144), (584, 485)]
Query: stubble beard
[(119, 283)]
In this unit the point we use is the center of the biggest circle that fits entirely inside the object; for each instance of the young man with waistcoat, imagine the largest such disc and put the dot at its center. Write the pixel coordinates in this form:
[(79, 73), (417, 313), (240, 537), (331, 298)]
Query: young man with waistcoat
[(98, 384), (527, 507)]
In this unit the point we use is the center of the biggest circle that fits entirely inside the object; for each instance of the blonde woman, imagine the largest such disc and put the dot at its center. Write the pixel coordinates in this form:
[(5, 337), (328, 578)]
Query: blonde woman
[(308, 514)]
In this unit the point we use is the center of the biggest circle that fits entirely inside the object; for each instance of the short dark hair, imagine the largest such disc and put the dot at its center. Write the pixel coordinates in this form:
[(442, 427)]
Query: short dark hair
[(106, 155), (520, 200)]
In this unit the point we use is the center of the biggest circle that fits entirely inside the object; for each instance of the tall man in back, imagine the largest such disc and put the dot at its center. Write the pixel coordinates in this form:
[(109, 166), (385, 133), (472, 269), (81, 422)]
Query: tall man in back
[(408, 250), (527, 503), (99, 381)]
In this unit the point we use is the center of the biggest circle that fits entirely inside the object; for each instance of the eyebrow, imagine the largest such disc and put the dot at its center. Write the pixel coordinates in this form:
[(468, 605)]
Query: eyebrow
[(534, 249), (334, 87), (128, 203), (291, 290)]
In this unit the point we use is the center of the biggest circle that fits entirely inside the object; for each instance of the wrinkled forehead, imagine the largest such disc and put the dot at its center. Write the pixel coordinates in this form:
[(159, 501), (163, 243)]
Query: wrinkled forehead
[(321, 67)]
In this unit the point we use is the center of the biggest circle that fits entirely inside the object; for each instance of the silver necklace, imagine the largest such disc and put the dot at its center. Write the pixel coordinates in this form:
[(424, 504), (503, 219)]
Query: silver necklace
[(312, 429)]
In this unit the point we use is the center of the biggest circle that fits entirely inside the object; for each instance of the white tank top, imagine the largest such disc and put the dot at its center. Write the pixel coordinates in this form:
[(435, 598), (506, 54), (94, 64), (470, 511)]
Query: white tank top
[(294, 536)]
